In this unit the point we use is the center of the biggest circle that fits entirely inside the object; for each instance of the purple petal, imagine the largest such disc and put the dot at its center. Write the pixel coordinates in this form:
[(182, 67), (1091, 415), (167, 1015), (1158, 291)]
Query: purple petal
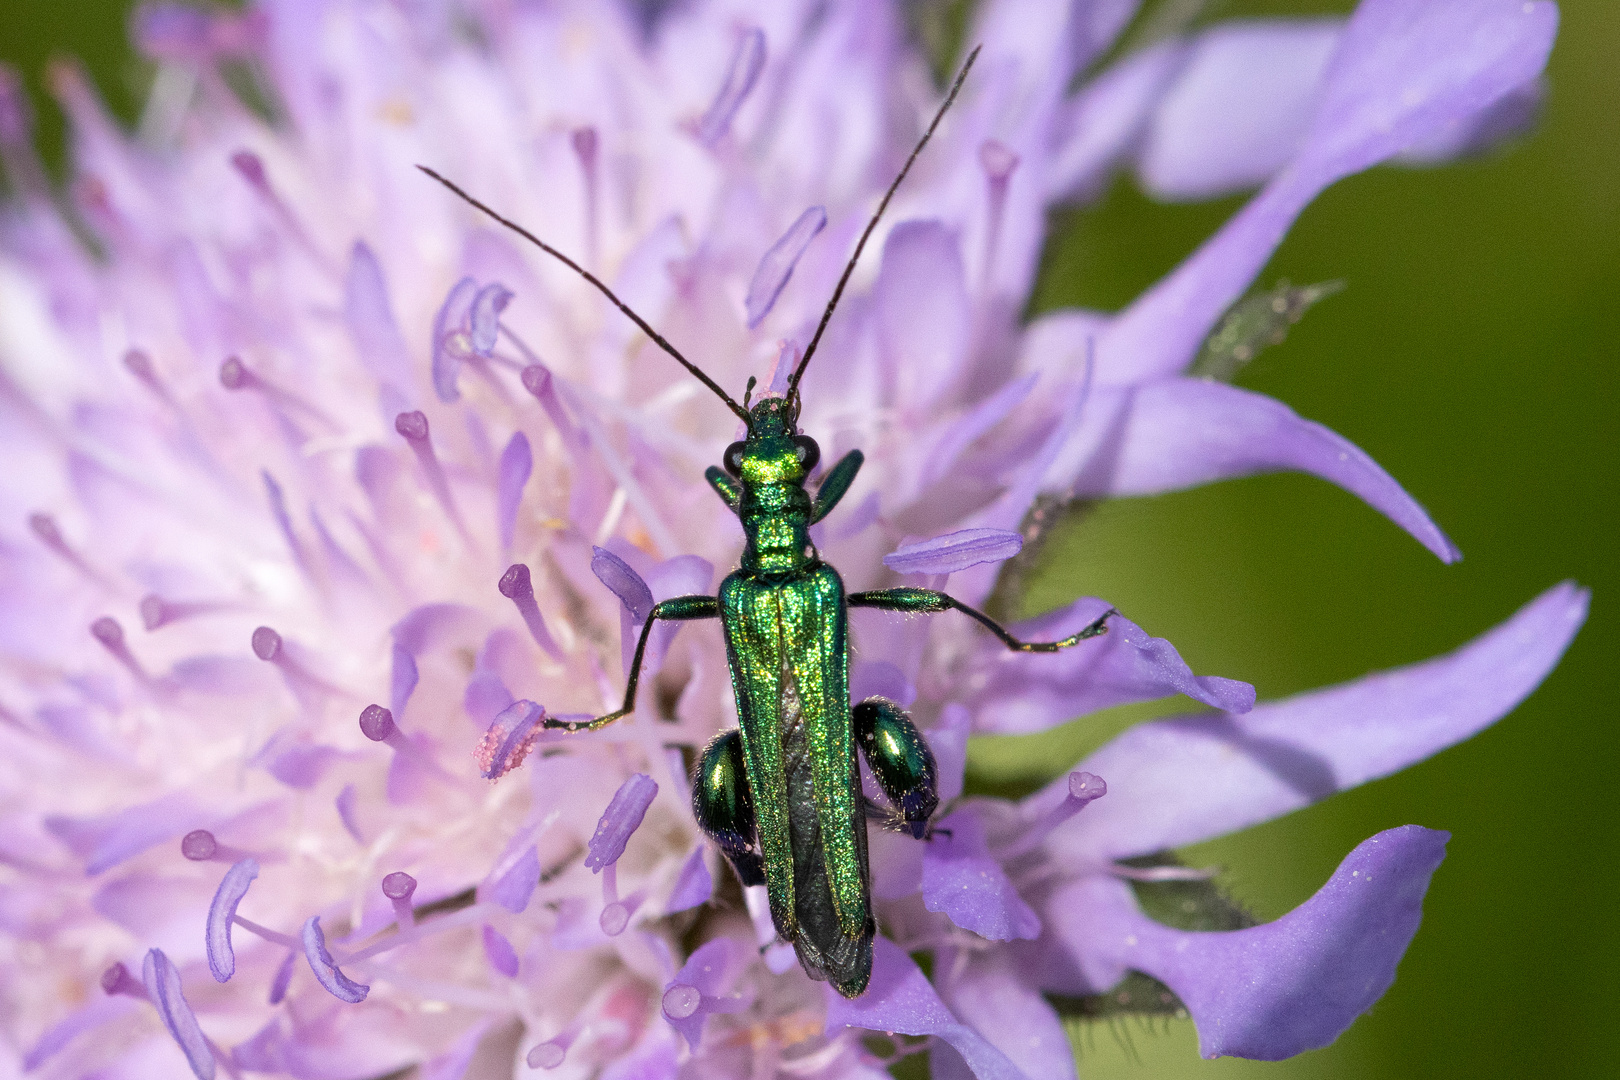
[(86, 1018), (1018, 693), (510, 737), (1402, 72), (682, 575), (1000, 1002), (625, 583), (962, 879), (426, 627), (923, 313), (283, 978), (1099, 125), (370, 318), (879, 678), (1179, 781), (746, 63), (954, 551), (621, 819), (1511, 116), (452, 1063), (295, 760), (402, 680), (163, 987), (975, 422), (450, 319), (345, 807), (278, 509), (485, 319), (705, 971), (1273, 991), (325, 968), (900, 1000), (635, 598), (486, 697), (694, 886), (513, 888), (263, 1051), (517, 462), (1176, 433), (776, 265), (1239, 109), (949, 744), (502, 957), (234, 886), (107, 840)]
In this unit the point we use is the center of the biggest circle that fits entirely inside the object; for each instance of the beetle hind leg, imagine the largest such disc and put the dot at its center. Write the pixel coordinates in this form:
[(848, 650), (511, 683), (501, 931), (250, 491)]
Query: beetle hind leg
[(724, 806), (901, 761)]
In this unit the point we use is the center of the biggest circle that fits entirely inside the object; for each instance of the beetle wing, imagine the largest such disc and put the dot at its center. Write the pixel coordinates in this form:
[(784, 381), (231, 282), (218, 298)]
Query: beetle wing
[(786, 638)]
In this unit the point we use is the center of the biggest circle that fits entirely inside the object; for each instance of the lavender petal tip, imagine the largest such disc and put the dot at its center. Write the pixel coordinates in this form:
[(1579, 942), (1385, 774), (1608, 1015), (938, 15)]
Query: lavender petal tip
[(325, 968), (621, 819), (163, 987), (510, 737), (954, 551), (234, 886)]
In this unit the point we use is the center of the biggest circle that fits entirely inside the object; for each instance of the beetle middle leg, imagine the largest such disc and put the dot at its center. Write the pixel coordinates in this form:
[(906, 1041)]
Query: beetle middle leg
[(724, 805), (929, 602), (901, 761), (681, 608)]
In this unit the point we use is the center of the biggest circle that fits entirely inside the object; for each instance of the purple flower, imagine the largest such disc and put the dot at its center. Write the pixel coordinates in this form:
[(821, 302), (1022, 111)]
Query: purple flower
[(322, 438)]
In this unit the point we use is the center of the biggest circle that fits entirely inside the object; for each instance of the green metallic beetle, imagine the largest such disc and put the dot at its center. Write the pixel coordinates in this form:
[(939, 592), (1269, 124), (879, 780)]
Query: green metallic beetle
[(781, 793)]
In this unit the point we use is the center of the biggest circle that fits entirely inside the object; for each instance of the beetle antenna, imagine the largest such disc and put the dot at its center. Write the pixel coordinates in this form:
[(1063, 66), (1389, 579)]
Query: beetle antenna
[(607, 292), (826, 316)]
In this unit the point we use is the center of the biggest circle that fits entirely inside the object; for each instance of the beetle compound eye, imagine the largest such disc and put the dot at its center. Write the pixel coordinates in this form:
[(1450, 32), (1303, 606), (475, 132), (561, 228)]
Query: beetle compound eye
[(809, 452), (733, 459)]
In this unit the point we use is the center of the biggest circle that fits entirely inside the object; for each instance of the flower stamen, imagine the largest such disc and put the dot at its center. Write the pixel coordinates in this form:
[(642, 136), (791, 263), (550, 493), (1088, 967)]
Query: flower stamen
[(413, 428), (517, 586), (399, 887)]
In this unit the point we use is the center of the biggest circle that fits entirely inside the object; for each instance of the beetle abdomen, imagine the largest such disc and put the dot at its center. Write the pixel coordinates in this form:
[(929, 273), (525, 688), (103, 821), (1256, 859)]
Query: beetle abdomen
[(824, 950)]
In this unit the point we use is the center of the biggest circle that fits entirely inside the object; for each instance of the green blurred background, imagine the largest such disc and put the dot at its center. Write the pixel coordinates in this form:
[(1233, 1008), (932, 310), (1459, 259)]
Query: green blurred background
[(1473, 354)]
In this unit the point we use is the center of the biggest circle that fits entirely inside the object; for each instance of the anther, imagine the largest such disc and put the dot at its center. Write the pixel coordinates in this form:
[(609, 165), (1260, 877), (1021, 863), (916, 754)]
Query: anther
[(584, 141), (538, 381), (550, 1054), (250, 167), (681, 1001), (117, 980), (413, 427), (511, 735), (235, 375), (156, 611), (50, 534), (998, 162), (399, 888), (746, 62), (517, 586), (200, 845), (1084, 788), (111, 635), (620, 820), (140, 365), (266, 644), (272, 649)]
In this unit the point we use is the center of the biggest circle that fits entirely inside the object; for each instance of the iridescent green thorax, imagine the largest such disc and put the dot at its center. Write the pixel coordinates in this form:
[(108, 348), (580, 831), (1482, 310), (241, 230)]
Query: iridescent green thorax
[(772, 464)]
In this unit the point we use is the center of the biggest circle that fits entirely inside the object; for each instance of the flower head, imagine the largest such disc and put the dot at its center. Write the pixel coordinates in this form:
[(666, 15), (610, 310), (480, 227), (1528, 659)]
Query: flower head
[(331, 439)]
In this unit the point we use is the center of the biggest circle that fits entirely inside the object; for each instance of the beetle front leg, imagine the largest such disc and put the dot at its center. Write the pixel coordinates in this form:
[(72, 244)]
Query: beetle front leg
[(929, 602), (901, 761), (680, 608), (724, 806), (835, 483)]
